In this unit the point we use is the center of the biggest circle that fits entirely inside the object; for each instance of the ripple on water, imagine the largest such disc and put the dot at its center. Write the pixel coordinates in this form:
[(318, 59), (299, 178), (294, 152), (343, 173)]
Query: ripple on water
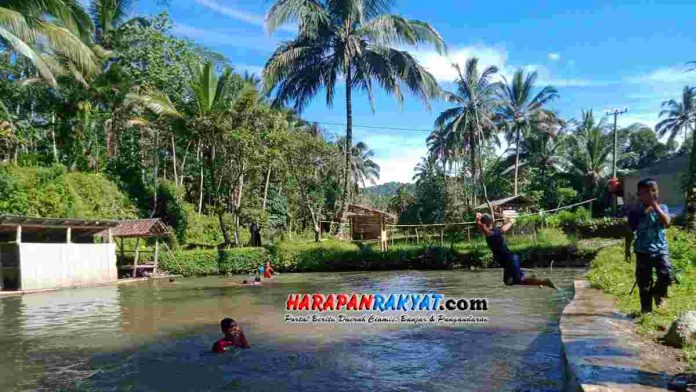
[(156, 336)]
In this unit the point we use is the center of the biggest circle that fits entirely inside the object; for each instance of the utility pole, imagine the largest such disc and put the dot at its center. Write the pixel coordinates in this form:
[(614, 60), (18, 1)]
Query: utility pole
[(615, 113)]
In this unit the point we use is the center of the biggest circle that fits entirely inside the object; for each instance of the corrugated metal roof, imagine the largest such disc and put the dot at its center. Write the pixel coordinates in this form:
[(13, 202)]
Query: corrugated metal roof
[(30, 221)]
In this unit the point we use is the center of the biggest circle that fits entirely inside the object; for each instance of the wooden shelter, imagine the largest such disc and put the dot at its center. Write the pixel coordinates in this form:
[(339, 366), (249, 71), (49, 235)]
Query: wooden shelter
[(140, 229), (518, 202), (369, 223)]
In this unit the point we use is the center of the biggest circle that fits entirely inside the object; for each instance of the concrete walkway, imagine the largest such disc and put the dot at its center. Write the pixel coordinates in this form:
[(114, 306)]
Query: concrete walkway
[(603, 351)]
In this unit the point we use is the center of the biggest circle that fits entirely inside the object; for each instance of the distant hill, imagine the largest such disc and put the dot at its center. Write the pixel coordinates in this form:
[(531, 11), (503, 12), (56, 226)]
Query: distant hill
[(388, 190)]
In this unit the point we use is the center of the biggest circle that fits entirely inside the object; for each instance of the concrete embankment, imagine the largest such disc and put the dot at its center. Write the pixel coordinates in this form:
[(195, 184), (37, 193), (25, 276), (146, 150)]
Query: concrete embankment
[(603, 352)]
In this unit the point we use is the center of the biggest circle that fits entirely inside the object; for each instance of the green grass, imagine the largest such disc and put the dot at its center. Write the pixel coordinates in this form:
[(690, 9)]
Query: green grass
[(611, 273)]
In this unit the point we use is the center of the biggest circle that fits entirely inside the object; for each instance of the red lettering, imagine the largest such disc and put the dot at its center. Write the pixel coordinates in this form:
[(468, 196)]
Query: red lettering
[(366, 302), (317, 301), (304, 304), (341, 301), (293, 301), (353, 303), (328, 305)]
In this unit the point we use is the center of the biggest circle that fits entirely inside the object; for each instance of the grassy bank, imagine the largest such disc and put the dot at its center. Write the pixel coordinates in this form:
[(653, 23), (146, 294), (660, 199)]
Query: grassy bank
[(612, 274), (333, 255)]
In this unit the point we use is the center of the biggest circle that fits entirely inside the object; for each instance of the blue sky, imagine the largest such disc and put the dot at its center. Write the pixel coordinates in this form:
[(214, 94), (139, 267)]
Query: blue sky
[(600, 56)]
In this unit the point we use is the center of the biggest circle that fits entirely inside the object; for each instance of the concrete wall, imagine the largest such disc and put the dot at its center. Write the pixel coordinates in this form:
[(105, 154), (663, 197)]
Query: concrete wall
[(46, 266), (669, 175)]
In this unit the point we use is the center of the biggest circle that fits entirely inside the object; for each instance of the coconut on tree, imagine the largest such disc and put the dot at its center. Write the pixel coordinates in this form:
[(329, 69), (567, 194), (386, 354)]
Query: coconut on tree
[(349, 42)]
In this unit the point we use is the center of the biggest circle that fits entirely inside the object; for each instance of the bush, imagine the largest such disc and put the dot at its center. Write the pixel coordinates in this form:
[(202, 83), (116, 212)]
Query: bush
[(170, 208), (212, 262), (241, 260), (192, 262), (52, 192)]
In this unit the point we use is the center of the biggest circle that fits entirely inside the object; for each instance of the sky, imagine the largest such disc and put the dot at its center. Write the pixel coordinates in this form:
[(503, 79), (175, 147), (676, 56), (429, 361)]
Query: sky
[(627, 54)]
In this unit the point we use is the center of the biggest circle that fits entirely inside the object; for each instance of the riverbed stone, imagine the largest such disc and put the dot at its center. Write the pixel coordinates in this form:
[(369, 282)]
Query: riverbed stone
[(683, 330)]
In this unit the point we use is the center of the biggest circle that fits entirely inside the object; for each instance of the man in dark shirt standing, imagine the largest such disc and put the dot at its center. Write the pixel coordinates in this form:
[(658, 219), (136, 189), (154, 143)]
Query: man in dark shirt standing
[(512, 273)]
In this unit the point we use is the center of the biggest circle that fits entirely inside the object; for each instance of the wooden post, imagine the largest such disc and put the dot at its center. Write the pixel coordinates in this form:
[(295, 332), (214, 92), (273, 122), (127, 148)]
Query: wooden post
[(392, 236), (18, 238), (442, 237), (109, 236), (417, 239), (68, 235), (468, 233), (156, 255), (137, 253)]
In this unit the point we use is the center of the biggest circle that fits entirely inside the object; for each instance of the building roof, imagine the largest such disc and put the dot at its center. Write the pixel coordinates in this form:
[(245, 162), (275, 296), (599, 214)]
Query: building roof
[(518, 199), (357, 210), (140, 228), (37, 224)]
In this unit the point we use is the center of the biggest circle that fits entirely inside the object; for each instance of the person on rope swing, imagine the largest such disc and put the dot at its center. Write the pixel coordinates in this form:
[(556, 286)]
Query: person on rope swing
[(649, 220), (512, 273)]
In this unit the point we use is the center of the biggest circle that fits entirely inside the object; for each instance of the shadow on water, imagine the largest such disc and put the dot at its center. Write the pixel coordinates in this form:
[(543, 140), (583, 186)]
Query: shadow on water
[(158, 336)]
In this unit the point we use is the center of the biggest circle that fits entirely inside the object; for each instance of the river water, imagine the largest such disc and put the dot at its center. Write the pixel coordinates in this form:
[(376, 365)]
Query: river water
[(156, 336)]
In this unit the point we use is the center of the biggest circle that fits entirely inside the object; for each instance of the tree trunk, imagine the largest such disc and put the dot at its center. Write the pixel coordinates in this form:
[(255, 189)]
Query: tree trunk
[(200, 162), (349, 144), (265, 190), (183, 164), (223, 228), (238, 204), (691, 185), (481, 176), (53, 137), (174, 160), (154, 203), (517, 156)]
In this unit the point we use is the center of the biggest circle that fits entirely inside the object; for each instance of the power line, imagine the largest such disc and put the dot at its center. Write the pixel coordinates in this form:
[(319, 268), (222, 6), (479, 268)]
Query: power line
[(373, 126)]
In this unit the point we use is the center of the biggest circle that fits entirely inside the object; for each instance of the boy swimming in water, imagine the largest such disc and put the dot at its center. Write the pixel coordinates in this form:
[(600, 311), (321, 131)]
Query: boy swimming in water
[(267, 270), (234, 337), (512, 273)]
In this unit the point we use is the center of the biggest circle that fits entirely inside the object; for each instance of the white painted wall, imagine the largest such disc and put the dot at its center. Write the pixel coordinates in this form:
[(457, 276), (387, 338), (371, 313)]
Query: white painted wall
[(46, 266)]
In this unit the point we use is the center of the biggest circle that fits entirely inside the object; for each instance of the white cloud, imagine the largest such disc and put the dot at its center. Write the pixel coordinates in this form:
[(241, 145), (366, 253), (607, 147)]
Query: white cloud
[(441, 66), (670, 75), (399, 168), (243, 16), (554, 56)]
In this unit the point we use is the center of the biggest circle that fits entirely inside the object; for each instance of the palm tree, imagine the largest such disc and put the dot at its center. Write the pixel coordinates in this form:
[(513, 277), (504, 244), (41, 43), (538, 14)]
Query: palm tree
[(362, 166), (520, 109), (351, 40), (681, 117), (590, 152), (36, 28), (471, 120), (212, 95), (426, 168), (109, 16)]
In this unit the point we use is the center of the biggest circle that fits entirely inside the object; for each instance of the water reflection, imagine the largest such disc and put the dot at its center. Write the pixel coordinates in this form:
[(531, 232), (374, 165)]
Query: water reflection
[(156, 336)]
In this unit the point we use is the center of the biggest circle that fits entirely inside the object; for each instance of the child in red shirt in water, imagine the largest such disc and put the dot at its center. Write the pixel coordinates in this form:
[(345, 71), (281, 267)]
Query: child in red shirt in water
[(234, 337), (267, 270)]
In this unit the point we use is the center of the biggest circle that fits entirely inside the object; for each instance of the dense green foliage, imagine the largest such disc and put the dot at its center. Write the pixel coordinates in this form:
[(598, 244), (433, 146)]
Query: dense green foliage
[(214, 262), (610, 272), (53, 192)]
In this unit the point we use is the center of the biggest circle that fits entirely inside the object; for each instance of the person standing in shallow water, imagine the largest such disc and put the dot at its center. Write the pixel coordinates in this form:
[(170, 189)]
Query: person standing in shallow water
[(512, 273), (234, 337), (649, 221)]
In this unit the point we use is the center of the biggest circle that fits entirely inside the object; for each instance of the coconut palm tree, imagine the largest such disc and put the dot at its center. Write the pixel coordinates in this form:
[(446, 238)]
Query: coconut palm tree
[(426, 168), (471, 120), (111, 15), (362, 166), (520, 109), (212, 95), (590, 152), (354, 41), (681, 117), (45, 31)]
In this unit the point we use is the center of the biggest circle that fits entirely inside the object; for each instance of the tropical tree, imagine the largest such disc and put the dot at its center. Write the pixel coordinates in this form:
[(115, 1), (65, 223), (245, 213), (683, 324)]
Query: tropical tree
[(109, 16), (212, 95), (355, 41), (46, 31), (590, 154), (471, 120), (426, 168), (681, 117), (362, 166), (522, 110)]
